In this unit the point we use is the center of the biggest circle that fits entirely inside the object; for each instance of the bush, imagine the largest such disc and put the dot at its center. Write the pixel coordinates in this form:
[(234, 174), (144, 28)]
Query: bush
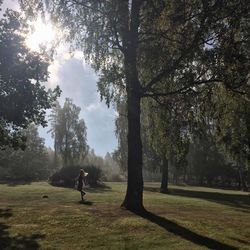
[(66, 176), (94, 175), (113, 177)]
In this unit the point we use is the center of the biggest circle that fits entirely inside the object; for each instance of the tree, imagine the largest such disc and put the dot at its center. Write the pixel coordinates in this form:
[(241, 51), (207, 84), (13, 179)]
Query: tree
[(111, 168), (122, 40), (121, 131), (69, 132), (29, 164), (167, 133), (93, 159), (23, 99), (232, 121)]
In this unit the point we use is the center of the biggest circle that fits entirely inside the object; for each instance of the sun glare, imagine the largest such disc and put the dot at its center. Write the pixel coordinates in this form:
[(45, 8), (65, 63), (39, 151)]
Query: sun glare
[(41, 34)]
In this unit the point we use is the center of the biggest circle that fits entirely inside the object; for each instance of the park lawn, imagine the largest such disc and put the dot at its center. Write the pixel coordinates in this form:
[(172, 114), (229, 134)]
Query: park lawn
[(186, 218)]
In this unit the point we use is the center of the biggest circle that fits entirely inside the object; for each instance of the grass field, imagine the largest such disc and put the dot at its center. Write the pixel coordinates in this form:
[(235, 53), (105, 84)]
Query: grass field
[(187, 218)]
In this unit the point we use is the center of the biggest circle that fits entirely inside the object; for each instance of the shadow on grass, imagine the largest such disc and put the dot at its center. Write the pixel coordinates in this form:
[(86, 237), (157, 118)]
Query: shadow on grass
[(185, 233), (240, 241), (5, 213), (13, 183), (16, 242), (233, 200), (100, 188), (85, 202)]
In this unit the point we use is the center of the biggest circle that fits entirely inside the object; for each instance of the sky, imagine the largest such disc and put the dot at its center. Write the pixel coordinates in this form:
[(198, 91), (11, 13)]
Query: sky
[(79, 82)]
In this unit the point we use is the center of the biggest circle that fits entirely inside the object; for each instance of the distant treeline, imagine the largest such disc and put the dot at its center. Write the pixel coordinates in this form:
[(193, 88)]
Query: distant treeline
[(36, 162)]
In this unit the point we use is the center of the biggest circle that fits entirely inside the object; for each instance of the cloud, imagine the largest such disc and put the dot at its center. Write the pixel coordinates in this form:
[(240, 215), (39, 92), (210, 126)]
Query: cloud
[(100, 122), (78, 81), (9, 4), (93, 107)]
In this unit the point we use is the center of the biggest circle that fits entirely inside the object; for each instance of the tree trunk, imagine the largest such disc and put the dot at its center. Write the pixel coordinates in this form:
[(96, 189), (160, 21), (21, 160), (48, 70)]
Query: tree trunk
[(243, 181), (164, 180), (201, 182), (134, 196)]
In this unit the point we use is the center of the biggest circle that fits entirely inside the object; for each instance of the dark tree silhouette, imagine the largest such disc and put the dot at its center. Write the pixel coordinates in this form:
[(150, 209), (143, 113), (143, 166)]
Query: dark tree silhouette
[(23, 99)]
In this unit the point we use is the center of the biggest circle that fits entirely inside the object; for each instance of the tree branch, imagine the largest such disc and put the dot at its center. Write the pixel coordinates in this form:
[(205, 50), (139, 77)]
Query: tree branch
[(85, 5), (182, 90), (175, 64), (117, 41)]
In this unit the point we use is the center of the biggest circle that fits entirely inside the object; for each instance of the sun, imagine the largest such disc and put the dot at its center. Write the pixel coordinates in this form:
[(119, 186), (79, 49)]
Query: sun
[(42, 33)]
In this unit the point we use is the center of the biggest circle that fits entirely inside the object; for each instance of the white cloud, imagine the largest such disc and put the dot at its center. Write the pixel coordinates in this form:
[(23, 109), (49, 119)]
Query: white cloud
[(78, 81), (93, 107), (53, 74), (10, 4)]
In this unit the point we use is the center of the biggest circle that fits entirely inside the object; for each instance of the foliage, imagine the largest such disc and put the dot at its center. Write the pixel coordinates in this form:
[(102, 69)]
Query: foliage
[(111, 169), (121, 131), (28, 165), (167, 129), (69, 133), (93, 159), (94, 175), (208, 166), (232, 120), (23, 99), (108, 165), (193, 38), (67, 176)]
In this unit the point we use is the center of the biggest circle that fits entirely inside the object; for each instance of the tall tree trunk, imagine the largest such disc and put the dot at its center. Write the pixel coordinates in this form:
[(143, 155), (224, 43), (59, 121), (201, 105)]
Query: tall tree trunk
[(201, 182), (134, 195), (185, 174), (164, 180), (243, 181)]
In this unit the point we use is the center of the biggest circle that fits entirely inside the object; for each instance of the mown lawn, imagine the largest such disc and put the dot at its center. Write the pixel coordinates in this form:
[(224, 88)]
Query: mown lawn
[(187, 218)]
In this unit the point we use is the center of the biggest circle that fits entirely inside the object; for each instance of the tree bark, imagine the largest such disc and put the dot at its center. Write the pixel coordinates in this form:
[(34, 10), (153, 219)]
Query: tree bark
[(243, 181), (134, 195), (164, 180)]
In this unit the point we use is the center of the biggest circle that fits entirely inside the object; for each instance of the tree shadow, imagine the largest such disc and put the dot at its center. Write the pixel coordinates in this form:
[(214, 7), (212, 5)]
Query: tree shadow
[(100, 188), (14, 183), (240, 241), (5, 213), (16, 242), (185, 233), (86, 202), (233, 200)]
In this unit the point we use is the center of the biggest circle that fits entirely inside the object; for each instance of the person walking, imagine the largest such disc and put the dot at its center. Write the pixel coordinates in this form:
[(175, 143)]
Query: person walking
[(81, 181)]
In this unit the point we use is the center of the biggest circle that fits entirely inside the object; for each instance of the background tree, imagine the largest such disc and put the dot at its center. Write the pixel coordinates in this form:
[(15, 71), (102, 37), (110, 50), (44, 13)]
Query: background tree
[(69, 133), (232, 121), (111, 169), (23, 99), (31, 164), (93, 159), (167, 133), (121, 131)]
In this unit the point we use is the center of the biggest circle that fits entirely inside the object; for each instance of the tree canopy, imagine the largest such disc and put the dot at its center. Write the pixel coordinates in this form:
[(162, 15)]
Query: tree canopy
[(31, 164), (69, 133), (23, 99)]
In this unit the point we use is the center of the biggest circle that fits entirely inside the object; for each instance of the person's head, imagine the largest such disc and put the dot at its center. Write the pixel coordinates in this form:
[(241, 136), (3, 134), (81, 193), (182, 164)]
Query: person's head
[(82, 172)]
